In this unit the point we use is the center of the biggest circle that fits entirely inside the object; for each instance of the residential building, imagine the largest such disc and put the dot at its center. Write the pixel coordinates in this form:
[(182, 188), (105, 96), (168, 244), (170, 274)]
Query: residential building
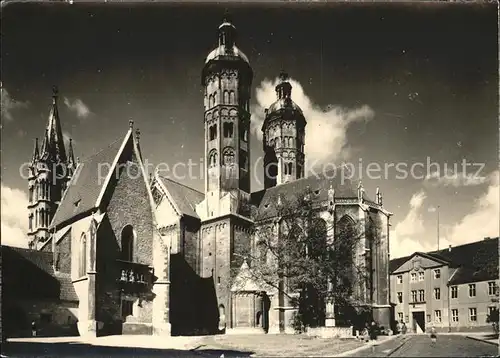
[(453, 289)]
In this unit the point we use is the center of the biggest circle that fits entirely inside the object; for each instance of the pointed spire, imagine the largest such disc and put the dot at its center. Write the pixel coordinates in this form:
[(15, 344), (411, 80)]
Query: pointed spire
[(36, 153), (361, 191), (54, 137), (71, 156), (45, 149), (378, 196)]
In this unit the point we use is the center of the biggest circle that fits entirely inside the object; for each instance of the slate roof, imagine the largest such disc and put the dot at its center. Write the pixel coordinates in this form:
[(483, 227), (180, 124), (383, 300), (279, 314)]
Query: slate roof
[(185, 198), (476, 261), (319, 184), (29, 274), (85, 185)]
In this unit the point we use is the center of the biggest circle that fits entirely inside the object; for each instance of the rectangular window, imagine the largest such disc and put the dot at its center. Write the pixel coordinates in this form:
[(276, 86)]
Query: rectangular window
[(454, 291), (492, 288), (400, 316), (437, 293), (421, 295), (472, 290), (414, 296), (421, 275), (413, 277), (428, 318), (399, 279), (472, 314), (437, 316), (400, 297), (454, 315), (437, 273)]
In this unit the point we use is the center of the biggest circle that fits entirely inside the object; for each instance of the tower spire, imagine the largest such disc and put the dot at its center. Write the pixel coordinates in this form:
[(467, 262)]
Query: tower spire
[(54, 131), (36, 153), (71, 156)]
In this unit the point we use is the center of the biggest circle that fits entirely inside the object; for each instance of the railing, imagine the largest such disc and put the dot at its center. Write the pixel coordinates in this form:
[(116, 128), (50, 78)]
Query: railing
[(134, 276)]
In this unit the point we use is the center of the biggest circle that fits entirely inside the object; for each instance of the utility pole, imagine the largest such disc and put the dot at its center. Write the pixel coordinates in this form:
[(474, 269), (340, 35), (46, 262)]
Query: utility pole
[(438, 227)]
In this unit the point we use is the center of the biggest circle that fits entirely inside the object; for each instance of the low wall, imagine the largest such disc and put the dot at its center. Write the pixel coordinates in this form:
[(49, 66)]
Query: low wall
[(330, 332)]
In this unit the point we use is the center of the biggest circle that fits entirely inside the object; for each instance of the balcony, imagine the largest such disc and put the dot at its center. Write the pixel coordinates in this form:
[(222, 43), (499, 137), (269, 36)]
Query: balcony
[(133, 276)]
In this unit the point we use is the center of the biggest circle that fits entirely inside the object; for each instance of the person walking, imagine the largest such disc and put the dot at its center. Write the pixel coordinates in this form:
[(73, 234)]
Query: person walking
[(33, 329), (403, 328), (433, 334)]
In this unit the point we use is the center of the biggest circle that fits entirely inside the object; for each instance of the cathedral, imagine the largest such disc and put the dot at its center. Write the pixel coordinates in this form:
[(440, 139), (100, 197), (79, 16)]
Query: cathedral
[(146, 254)]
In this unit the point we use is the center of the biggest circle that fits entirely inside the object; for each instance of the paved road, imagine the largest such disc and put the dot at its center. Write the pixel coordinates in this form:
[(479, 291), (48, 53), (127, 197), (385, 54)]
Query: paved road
[(76, 349), (421, 346)]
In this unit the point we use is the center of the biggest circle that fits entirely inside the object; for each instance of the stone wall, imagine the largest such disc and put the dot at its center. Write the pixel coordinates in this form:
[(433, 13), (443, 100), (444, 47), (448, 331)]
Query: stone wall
[(52, 318)]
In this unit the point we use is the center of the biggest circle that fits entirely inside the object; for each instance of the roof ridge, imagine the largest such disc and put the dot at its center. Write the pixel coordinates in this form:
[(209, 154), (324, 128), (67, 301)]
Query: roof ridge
[(184, 185)]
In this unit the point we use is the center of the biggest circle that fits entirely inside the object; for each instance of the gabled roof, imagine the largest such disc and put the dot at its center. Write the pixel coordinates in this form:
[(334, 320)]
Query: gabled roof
[(245, 281), (476, 261), (319, 185), (184, 197), (30, 274), (88, 183)]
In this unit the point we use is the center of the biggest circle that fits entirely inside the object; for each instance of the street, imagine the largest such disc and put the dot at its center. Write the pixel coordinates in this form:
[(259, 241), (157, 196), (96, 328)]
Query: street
[(421, 346)]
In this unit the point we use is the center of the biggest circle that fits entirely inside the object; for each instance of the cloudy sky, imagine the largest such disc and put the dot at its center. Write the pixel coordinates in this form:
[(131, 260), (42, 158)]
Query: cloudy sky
[(401, 84)]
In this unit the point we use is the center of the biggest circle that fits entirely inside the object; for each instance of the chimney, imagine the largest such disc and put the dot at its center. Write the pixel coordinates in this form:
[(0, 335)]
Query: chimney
[(449, 248)]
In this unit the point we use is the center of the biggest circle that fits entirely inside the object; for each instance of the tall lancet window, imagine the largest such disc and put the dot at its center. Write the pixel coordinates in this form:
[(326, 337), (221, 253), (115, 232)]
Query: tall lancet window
[(83, 256), (127, 241)]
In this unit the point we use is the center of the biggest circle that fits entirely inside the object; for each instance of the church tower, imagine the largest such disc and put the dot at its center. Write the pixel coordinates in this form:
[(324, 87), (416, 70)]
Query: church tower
[(226, 79), (49, 173), (283, 137), (225, 231)]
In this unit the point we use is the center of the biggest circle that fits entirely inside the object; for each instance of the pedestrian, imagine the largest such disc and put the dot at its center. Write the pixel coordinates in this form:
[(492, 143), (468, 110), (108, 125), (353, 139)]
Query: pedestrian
[(398, 328), (403, 327), (373, 331), (433, 334), (33, 329)]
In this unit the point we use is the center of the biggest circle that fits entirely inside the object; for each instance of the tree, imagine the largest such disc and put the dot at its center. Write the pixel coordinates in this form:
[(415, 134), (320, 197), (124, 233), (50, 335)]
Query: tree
[(295, 256), (493, 319)]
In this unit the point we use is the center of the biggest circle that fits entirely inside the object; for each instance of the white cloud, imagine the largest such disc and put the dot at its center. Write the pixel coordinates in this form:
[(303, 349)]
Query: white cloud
[(454, 178), (14, 222), (326, 128), (483, 220), (81, 109), (9, 104), (408, 235)]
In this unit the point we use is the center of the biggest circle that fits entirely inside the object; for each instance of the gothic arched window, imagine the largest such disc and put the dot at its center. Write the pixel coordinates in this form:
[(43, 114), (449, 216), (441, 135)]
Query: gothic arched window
[(290, 168), (212, 158), (216, 99), (226, 97), (228, 156), (31, 193), (83, 256), (42, 217), (232, 97), (127, 241)]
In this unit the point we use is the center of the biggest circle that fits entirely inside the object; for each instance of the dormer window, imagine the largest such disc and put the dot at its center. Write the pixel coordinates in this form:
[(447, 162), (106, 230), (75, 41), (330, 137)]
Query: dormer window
[(77, 203)]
